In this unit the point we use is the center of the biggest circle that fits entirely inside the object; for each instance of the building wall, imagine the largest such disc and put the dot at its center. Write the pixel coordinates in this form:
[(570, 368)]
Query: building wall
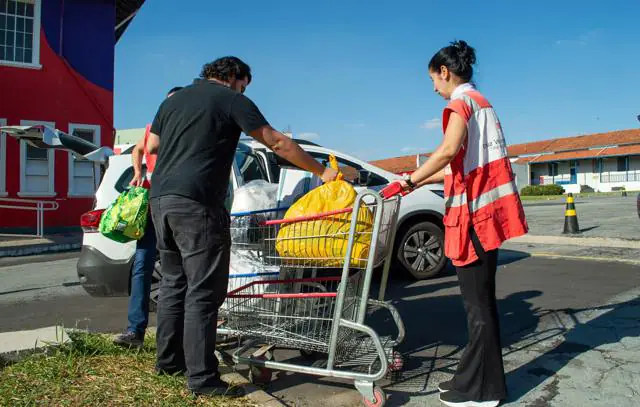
[(521, 173), (73, 84), (588, 174)]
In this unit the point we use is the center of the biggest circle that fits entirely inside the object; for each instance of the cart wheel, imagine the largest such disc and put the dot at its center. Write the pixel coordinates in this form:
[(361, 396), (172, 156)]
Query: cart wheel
[(260, 375), (397, 362), (311, 354), (381, 398)]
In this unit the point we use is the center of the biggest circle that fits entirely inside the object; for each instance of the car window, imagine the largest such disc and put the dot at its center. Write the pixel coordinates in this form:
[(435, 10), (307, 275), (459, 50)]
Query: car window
[(127, 175), (350, 170), (250, 165)]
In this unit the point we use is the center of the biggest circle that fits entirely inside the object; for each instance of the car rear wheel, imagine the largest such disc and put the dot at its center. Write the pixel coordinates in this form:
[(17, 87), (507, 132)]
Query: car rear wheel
[(421, 250)]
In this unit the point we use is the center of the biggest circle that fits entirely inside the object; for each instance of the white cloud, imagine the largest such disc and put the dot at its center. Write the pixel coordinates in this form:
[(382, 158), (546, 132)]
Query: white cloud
[(357, 125), (431, 124), (571, 43), (308, 136), (582, 40)]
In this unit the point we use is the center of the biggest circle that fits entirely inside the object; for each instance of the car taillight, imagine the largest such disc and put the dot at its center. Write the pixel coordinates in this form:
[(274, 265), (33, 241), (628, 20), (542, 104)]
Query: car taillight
[(90, 221)]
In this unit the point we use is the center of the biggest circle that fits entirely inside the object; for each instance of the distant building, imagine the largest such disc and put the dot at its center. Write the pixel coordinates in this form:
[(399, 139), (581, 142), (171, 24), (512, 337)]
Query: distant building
[(601, 162)]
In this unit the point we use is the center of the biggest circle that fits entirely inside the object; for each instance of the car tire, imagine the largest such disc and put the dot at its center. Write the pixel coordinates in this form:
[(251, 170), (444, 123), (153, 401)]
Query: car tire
[(420, 250)]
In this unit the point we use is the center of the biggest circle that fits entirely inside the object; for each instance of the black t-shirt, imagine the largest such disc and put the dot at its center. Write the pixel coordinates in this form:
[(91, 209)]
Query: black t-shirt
[(199, 128)]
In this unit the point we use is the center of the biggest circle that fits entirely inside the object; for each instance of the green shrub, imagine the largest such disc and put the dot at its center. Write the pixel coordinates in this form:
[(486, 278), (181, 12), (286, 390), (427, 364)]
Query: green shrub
[(540, 190)]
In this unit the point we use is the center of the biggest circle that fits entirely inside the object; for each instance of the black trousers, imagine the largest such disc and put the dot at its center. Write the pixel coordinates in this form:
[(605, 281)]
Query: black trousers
[(480, 373), (194, 244)]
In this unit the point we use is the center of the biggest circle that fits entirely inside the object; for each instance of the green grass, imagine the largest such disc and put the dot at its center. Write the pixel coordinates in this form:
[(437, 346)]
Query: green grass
[(91, 371)]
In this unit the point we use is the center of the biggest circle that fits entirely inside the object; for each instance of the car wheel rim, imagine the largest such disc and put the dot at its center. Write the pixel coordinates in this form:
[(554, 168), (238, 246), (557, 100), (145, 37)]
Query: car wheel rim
[(155, 283), (422, 251)]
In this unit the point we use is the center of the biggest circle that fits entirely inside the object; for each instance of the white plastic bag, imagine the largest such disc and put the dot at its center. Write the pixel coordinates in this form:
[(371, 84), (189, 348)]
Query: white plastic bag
[(244, 268), (255, 196)]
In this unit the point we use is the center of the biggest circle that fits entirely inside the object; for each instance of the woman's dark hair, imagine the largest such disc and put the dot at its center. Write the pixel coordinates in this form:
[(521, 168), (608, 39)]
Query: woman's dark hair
[(458, 57), (223, 69), (174, 90)]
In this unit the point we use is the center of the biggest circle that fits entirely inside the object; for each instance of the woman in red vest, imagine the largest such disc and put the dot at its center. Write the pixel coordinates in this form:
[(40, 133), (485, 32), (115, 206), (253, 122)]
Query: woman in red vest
[(482, 210)]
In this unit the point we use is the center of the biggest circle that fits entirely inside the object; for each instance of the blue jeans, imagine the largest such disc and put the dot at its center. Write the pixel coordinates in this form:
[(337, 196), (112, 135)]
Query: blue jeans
[(141, 273)]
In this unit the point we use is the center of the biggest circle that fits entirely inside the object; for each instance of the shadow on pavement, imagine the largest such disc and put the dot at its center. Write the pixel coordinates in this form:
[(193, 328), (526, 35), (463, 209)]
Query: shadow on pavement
[(435, 323), (617, 322)]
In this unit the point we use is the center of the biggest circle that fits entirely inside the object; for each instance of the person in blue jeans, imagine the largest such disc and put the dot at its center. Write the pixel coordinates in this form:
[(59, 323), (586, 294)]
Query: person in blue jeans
[(145, 257)]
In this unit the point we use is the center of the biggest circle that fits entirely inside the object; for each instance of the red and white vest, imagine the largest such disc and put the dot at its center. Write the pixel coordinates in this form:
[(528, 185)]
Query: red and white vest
[(149, 158), (480, 189)]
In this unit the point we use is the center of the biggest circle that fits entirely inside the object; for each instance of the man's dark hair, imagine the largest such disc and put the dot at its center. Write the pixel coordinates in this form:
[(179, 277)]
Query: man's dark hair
[(225, 68), (174, 90)]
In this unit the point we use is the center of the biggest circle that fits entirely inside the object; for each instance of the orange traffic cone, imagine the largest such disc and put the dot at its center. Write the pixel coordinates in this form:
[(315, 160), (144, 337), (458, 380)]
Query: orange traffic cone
[(571, 217)]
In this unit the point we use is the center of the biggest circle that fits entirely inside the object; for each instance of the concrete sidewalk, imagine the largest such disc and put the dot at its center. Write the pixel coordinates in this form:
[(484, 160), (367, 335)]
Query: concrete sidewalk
[(26, 245)]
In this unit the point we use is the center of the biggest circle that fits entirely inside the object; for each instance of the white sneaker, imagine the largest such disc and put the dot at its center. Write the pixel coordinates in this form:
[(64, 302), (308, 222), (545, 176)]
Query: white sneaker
[(455, 399)]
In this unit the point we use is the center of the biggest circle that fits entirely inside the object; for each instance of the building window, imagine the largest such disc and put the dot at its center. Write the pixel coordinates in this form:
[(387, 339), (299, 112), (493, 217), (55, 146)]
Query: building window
[(3, 160), (623, 164), (20, 32), (36, 167), (553, 169), (84, 176)]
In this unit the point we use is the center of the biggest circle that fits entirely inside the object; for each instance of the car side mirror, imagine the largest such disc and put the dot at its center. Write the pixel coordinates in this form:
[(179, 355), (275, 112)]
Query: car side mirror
[(363, 178)]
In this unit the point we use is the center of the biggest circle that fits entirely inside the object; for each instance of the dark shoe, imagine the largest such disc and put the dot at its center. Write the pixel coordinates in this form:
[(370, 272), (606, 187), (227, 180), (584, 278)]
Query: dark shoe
[(220, 389), (455, 399), (445, 386), (129, 340)]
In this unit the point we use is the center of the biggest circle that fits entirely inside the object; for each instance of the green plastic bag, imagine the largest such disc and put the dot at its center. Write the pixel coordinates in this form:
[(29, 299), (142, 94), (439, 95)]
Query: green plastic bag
[(126, 218)]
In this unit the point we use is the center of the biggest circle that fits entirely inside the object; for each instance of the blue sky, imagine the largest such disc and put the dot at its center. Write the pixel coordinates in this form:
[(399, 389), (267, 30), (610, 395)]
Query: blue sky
[(353, 76)]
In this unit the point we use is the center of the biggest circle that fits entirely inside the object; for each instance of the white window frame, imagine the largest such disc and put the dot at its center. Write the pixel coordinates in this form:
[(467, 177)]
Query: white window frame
[(35, 59), (3, 160), (23, 165), (96, 168)]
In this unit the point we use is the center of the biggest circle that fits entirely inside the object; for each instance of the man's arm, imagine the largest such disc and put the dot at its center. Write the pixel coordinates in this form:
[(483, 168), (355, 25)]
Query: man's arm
[(247, 115), (291, 151)]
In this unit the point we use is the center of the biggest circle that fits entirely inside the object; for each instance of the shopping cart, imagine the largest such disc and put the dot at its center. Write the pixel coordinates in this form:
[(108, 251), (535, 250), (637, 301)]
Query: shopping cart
[(319, 303)]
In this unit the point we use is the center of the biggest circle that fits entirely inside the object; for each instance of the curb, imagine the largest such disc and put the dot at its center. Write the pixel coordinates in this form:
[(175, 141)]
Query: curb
[(30, 250), (582, 241), (253, 393)]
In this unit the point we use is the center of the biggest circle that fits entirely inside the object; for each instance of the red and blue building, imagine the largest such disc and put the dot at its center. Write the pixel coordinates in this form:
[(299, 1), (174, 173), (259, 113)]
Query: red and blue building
[(56, 68)]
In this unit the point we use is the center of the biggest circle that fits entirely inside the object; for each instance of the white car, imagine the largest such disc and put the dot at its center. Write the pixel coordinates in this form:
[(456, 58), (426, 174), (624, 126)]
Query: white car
[(104, 266)]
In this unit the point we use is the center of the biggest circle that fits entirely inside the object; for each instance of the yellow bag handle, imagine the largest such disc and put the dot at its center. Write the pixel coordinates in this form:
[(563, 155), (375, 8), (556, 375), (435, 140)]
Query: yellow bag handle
[(333, 163)]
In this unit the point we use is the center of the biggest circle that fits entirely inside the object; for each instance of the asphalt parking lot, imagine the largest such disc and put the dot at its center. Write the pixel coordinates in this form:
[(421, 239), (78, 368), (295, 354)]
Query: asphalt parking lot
[(610, 217)]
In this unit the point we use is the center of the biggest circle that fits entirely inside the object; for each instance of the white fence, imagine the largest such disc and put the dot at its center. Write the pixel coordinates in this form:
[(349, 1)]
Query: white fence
[(40, 207), (621, 176)]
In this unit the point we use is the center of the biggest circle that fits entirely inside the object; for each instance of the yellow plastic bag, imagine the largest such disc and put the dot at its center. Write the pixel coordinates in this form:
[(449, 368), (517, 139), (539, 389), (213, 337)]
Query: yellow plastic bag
[(323, 242)]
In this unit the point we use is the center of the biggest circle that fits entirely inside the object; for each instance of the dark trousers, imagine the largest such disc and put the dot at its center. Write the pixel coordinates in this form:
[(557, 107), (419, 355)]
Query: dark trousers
[(194, 245), (480, 373)]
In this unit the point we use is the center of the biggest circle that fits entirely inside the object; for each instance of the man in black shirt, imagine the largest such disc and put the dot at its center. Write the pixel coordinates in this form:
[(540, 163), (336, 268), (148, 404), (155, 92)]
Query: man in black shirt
[(195, 134)]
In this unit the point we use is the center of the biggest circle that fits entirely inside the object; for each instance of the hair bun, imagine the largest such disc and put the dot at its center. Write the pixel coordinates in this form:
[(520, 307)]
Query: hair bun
[(466, 53)]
